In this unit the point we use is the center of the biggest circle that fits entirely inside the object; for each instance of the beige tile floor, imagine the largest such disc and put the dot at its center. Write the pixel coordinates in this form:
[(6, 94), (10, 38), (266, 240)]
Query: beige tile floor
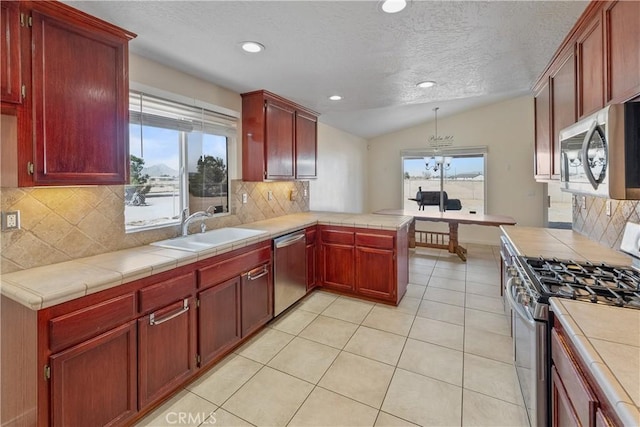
[(441, 358)]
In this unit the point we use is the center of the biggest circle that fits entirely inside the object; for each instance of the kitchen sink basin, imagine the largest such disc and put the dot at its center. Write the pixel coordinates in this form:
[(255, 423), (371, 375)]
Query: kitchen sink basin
[(211, 239)]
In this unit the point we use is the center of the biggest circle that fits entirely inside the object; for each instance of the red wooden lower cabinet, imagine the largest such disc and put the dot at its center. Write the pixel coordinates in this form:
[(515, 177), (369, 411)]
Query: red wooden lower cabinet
[(576, 399), (166, 349), (370, 263), (94, 383), (256, 298), (219, 319)]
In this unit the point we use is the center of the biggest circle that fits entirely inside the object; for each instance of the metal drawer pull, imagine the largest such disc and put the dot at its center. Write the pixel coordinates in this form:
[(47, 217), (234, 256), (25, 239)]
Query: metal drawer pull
[(185, 308), (264, 272)]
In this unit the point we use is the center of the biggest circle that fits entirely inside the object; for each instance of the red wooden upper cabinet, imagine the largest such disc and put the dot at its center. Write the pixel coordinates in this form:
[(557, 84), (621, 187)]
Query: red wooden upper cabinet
[(74, 120), (279, 138), (622, 49), (10, 74)]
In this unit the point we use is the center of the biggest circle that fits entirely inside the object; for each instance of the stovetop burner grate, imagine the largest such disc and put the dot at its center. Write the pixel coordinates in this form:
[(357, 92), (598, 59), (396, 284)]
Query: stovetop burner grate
[(597, 283)]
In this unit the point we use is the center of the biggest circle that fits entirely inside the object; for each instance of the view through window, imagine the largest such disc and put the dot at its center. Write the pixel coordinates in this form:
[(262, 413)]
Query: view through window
[(464, 178), (179, 156)]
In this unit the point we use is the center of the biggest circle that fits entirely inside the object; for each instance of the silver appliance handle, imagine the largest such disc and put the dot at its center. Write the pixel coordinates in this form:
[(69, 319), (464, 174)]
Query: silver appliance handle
[(522, 313), (290, 241), (152, 317), (594, 128)]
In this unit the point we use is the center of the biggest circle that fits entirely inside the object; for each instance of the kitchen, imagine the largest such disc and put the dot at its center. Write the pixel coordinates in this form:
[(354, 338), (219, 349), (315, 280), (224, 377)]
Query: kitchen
[(348, 178)]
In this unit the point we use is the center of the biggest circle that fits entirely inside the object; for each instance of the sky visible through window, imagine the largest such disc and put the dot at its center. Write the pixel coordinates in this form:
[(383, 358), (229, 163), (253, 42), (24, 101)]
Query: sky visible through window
[(459, 165)]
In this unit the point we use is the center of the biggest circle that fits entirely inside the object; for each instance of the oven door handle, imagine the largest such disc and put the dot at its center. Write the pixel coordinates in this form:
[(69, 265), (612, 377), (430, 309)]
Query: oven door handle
[(520, 311)]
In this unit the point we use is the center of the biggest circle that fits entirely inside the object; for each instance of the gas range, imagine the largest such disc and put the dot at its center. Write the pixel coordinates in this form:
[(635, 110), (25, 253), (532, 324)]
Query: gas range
[(583, 281)]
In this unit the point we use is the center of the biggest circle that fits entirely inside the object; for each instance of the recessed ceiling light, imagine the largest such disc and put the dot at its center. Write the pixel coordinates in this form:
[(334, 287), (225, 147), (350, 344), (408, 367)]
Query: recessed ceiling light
[(252, 47), (335, 97), (427, 83), (393, 6)]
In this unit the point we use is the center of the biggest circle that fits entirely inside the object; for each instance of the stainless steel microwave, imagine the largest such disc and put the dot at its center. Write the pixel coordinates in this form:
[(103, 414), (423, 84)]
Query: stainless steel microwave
[(600, 154)]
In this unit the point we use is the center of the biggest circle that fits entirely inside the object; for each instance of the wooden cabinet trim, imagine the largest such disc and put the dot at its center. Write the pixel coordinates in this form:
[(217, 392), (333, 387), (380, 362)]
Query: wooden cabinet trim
[(11, 72)]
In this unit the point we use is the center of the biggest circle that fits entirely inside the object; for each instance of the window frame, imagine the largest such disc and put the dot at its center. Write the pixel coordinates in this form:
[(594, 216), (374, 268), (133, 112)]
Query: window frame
[(415, 153), (230, 132)]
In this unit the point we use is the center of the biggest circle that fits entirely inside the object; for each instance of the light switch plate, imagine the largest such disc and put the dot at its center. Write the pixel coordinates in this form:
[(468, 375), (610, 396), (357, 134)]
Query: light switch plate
[(10, 220), (244, 198), (584, 202), (608, 207), (269, 195)]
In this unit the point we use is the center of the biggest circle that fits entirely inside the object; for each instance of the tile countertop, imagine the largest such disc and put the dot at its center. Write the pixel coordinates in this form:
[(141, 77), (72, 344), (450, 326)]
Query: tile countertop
[(562, 244), (46, 286), (611, 351)]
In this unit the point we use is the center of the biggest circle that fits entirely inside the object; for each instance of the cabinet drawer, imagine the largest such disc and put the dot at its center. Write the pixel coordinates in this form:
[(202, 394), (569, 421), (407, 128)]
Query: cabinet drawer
[(80, 325), (235, 266), (338, 237), (582, 398), (374, 241), (164, 293)]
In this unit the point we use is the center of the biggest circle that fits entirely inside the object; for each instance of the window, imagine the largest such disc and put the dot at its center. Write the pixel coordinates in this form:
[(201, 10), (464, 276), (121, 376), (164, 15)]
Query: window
[(463, 177), (179, 159)]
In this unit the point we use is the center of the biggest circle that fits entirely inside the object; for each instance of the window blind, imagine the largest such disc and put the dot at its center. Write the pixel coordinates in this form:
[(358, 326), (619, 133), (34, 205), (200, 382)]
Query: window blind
[(154, 111)]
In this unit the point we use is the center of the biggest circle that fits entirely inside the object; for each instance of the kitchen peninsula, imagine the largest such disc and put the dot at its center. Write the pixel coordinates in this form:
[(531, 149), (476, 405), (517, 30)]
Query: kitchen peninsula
[(69, 323)]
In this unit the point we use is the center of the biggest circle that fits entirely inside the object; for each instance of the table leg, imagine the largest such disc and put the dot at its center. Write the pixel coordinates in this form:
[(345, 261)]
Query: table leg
[(412, 234), (454, 246)]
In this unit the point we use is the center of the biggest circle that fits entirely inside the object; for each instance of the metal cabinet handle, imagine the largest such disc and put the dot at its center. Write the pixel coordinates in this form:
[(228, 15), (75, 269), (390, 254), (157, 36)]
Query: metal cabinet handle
[(185, 308), (263, 272)]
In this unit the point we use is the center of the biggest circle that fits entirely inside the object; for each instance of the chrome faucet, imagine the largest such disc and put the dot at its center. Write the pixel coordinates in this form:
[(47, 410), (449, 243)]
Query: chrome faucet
[(185, 219)]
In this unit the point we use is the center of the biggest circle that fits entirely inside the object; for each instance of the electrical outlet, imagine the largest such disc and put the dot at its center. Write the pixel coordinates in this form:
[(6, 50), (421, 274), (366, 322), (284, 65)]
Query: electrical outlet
[(10, 220), (584, 202), (608, 207), (244, 198), (269, 195), (305, 193)]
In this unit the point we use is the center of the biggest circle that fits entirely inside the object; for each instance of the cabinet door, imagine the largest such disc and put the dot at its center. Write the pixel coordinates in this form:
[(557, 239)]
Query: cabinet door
[(306, 146), (166, 349), (80, 103), (10, 74), (562, 412), (563, 106), (337, 266), (257, 298), (279, 141), (622, 34), (375, 273), (590, 60), (94, 383), (219, 319), (543, 129)]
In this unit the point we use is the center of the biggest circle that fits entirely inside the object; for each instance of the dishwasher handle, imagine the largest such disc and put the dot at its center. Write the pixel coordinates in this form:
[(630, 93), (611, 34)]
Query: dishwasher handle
[(289, 241)]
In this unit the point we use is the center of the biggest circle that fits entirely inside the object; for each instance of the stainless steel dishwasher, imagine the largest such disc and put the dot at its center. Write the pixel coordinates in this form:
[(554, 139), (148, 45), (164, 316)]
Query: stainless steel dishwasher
[(290, 270)]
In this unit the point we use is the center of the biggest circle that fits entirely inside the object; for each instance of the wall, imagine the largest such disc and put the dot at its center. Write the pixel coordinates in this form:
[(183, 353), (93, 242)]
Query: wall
[(342, 172), (506, 128), (593, 221)]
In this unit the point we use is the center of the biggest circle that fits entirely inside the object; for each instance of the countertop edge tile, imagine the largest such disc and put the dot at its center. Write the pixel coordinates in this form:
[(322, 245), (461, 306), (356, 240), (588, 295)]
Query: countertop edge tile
[(102, 278)]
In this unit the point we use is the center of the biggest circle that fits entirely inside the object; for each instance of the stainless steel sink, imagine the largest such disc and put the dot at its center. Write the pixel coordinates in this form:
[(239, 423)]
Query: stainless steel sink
[(209, 240)]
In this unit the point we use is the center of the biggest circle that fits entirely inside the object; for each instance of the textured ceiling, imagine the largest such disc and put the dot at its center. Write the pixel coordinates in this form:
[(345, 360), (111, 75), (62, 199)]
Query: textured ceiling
[(478, 52)]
